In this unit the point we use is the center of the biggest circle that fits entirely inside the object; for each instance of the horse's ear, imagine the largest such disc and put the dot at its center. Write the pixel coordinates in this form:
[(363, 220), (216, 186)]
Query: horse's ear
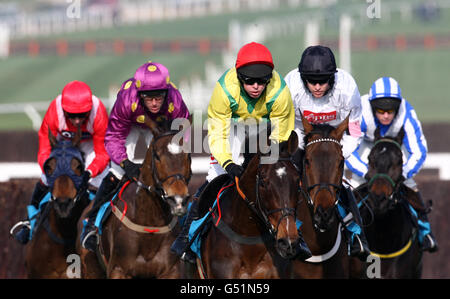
[(400, 136), (339, 131), (77, 139), (51, 138), (377, 134), (152, 125), (251, 168), (292, 143), (306, 125)]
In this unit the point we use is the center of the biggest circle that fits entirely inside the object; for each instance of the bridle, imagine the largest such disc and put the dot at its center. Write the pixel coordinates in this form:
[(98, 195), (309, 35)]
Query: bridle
[(257, 208), (321, 185), (63, 153), (157, 188), (386, 177)]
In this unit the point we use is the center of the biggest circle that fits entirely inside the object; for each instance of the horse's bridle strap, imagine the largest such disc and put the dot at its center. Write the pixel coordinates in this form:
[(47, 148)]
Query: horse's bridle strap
[(143, 229)]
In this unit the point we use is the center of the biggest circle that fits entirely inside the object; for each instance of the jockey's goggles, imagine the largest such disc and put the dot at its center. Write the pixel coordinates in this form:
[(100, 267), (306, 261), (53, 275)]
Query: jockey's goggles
[(77, 115), (153, 94), (318, 80), (383, 111), (250, 81)]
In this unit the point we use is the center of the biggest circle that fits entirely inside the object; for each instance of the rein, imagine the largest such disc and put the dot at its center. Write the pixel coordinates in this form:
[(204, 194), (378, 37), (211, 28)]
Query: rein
[(251, 206)]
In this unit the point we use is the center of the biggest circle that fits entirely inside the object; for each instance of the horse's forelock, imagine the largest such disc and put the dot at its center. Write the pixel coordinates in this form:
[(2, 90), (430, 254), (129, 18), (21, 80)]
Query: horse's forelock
[(323, 130)]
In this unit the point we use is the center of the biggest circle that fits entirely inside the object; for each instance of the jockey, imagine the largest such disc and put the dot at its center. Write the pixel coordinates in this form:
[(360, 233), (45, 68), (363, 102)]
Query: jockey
[(386, 109), (325, 94), (149, 93), (75, 106), (250, 91)]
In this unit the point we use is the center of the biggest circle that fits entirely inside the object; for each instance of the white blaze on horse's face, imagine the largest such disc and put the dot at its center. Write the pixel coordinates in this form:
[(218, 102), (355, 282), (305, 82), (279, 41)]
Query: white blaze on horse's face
[(174, 148), (178, 208), (281, 172)]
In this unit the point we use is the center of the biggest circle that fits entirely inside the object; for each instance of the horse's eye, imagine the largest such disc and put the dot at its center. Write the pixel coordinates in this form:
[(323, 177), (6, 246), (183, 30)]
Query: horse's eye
[(49, 166), (76, 166)]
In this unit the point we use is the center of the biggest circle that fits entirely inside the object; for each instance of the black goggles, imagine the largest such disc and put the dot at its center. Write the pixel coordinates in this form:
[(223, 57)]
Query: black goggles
[(77, 115), (251, 81), (320, 81)]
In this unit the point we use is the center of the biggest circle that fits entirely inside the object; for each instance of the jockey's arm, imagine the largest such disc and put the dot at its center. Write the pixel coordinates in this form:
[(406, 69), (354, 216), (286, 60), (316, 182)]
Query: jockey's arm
[(49, 121), (119, 127), (101, 159), (219, 118), (415, 143), (351, 141), (282, 117)]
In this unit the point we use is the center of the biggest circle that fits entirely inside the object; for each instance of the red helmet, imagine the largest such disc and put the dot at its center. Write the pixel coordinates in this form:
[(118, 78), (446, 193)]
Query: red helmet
[(76, 97), (254, 54)]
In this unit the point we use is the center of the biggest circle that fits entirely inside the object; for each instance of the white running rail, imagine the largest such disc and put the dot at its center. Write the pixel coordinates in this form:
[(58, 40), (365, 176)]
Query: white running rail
[(200, 165)]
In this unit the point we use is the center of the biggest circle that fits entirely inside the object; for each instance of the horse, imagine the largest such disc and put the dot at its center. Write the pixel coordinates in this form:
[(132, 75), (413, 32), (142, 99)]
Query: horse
[(321, 172), (390, 230), (54, 235), (136, 239), (254, 234)]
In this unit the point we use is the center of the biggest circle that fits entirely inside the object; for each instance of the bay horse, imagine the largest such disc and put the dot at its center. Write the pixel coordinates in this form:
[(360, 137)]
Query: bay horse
[(390, 229), (136, 238), (322, 171), (54, 235), (254, 233)]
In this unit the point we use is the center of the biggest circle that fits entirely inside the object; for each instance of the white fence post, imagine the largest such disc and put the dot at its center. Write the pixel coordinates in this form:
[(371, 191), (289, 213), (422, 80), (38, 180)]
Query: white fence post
[(345, 27), (4, 41)]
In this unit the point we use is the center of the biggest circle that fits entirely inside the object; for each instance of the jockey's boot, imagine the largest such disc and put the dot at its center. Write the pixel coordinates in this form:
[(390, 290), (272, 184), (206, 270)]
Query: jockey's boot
[(181, 244), (89, 236), (23, 235), (429, 242), (358, 245), (302, 248)]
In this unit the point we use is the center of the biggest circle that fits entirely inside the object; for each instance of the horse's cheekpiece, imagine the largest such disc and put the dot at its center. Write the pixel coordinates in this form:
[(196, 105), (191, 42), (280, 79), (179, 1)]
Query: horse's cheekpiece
[(63, 153)]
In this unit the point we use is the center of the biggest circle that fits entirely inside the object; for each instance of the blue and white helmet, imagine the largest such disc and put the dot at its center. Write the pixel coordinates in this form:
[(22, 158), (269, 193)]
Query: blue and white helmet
[(385, 94)]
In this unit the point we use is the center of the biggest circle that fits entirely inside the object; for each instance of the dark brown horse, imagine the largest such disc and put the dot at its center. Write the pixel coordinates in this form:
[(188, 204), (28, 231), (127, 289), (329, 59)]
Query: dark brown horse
[(256, 234), (53, 241), (323, 167), (136, 239), (384, 207)]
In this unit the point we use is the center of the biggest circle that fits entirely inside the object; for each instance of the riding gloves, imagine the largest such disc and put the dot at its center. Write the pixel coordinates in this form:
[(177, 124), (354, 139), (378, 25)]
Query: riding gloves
[(234, 170), (132, 170)]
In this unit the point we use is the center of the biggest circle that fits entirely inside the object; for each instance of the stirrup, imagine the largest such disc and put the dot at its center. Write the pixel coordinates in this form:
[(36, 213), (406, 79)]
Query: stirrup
[(188, 256), (433, 246), (20, 224), (92, 233)]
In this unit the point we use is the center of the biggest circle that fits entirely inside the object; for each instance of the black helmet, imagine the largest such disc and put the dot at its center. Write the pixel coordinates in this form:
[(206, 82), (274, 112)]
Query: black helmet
[(318, 64), (317, 60)]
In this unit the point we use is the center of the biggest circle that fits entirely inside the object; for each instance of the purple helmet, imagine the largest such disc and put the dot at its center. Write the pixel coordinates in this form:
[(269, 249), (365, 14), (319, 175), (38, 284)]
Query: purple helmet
[(152, 76)]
